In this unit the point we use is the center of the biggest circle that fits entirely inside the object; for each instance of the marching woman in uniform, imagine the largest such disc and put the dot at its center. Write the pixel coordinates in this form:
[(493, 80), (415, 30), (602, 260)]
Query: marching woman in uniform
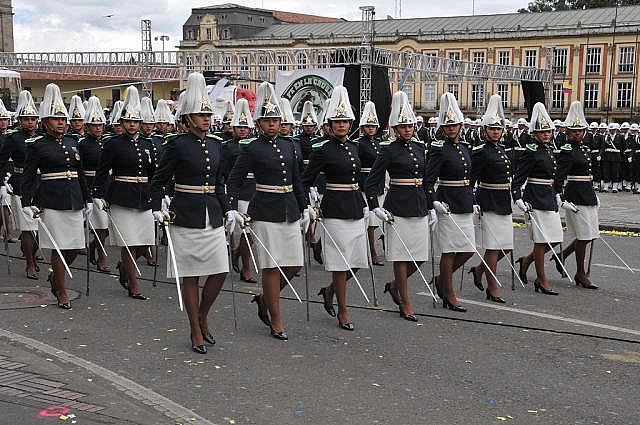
[(342, 206), (491, 169), (275, 208), (115, 127), (242, 125), (405, 205), (90, 149), (14, 148), (198, 208), (130, 157), (76, 115), (59, 196), (368, 150), (580, 201), (147, 126), (450, 167), (537, 168)]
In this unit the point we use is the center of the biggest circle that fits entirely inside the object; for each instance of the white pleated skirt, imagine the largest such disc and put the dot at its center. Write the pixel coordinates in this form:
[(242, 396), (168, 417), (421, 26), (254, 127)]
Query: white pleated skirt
[(351, 238), (137, 227), (583, 225), (199, 252), (496, 231), (414, 232), (450, 239), (25, 222), (283, 240), (549, 222), (372, 220), (66, 227), (99, 219)]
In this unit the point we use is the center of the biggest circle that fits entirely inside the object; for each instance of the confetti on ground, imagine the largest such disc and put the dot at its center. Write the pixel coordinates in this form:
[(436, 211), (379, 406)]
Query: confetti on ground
[(375, 385), (492, 402), (171, 330), (532, 411), (468, 361), (298, 411), (138, 343), (156, 339)]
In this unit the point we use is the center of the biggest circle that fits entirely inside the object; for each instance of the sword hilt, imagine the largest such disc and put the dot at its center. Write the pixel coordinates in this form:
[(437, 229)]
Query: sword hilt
[(246, 220), (172, 217)]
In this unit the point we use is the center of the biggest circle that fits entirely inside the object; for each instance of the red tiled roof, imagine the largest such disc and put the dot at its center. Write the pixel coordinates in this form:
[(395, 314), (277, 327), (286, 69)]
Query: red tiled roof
[(300, 18)]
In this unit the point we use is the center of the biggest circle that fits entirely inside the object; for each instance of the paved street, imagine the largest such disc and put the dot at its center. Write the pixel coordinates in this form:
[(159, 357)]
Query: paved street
[(536, 360)]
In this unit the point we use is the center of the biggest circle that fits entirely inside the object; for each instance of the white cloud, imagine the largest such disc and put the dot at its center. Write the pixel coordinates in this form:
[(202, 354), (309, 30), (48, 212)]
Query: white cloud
[(83, 25)]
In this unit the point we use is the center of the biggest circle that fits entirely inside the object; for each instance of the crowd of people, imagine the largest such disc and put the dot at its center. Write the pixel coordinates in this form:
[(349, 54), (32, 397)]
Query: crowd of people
[(265, 186)]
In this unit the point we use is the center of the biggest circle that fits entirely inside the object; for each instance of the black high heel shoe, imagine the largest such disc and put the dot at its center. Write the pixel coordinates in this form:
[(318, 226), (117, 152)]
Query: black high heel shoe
[(522, 273), (137, 296), (538, 287), (200, 349), (558, 266), (346, 326), (328, 305), (409, 317), (447, 304), (493, 298), (106, 269), (64, 306), (263, 315), (476, 282), (585, 285), (122, 278), (247, 279), (282, 336), (392, 291), (208, 337)]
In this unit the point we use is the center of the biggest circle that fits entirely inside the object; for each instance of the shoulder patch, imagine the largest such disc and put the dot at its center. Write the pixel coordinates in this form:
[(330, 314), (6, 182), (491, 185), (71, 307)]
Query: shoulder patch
[(384, 144), (437, 144), (464, 142), (566, 147), (319, 145), (532, 147), (246, 141), (416, 140), (74, 135), (33, 139), (478, 148), (213, 136), (11, 131)]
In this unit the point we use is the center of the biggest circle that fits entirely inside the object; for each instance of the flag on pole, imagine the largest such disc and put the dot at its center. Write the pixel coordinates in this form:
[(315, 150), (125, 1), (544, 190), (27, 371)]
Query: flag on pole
[(567, 88)]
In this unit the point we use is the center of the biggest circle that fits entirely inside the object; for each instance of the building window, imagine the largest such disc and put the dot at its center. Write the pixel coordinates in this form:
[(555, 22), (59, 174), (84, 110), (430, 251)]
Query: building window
[(560, 61), (250, 18), (478, 60), (478, 57), (504, 57), (322, 61), (225, 34), (624, 95), (226, 63), (189, 35), (281, 61), (477, 96), (302, 60), (261, 19), (453, 64), (627, 60), (557, 101), (454, 89), (189, 63), (591, 95), (593, 61), (208, 33), (408, 89), (429, 96), (263, 73), (244, 66), (530, 58), (503, 91)]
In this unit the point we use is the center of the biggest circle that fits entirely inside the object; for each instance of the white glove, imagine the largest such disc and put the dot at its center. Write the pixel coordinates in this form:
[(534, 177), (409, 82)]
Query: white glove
[(381, 214), (3, 193), (386, 187), (161, 216), (31, 211), (441, 207), (9, 188), (433, 218), (558, 200), (520, 204), (476, 209), (234, 218), (166, 202), (569, 206), (314, 195), (597, 202), (598, 158), (87, 210), (99, 203), (306, 219), (630, 160)]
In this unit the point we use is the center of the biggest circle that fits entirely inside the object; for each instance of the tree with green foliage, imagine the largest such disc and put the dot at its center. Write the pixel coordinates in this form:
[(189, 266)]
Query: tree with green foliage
[(552, 5)]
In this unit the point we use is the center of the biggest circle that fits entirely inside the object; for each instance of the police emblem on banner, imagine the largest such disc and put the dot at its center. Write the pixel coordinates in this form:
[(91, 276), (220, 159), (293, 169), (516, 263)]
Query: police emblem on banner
[(314, 88)]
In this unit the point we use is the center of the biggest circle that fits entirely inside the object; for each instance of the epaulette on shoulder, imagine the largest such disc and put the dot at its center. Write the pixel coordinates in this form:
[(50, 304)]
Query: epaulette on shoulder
[(319, 145), (170, 138), (478, 148), (74, 135), (384, 144), (33, 139), (464, 142), (213, 136), (532, 147), (437, 144), (355, 141), (107, 137), (566, 147), (246, 141), (416, 140), (11, 131)]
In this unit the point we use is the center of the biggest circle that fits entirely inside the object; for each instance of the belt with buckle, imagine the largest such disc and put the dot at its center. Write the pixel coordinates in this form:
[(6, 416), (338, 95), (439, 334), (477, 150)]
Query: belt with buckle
[(185, 188), (365, 170), (131, 179), (545, 182), (454, 183), (58, 176), (348, 187), (90, 173), (251, 176), (494, 186), (274, 189), (406, 182), (579, 178)]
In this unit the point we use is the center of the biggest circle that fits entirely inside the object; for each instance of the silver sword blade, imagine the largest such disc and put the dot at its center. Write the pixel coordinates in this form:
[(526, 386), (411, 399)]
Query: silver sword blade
[(97, 237), (535, 223), (55, 245), (506, 256), (115, 226), (253, 258), (172, 254)]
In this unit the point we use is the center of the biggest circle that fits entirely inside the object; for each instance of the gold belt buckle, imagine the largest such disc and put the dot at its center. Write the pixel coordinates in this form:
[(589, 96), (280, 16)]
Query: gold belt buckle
[(138, 179), (68, 174), (417, 182), (206, 189), (355, 186)]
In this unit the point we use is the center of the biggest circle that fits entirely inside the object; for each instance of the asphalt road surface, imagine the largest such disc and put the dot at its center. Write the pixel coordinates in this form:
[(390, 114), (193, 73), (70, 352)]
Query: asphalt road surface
[(571, 359)]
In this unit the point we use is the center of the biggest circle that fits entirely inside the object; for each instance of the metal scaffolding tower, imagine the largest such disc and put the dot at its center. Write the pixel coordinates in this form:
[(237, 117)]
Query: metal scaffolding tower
[(366, 48), (145, 29)]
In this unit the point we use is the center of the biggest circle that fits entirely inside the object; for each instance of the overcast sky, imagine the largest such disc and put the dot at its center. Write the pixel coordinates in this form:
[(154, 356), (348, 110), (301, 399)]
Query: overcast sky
[(106, 25)]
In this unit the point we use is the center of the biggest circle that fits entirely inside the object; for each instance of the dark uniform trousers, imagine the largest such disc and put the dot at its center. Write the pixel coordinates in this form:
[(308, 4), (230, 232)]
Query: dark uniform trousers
[(594, 153), (612, 153)]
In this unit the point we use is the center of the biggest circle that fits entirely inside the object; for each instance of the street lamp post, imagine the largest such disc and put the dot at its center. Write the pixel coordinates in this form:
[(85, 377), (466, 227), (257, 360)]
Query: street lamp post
[(162, 38)]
